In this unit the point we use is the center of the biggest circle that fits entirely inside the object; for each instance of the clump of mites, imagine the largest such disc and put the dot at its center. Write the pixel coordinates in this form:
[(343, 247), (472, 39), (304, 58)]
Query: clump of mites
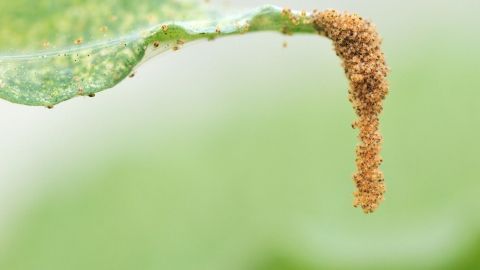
[(357, 43)]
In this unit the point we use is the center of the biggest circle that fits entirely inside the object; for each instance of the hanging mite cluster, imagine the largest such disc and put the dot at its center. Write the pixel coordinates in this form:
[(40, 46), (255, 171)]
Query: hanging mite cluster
[(358, 44)]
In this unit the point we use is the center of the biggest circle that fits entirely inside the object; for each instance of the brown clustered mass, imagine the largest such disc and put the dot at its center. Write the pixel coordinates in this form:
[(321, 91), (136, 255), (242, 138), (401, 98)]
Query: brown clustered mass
[(357, 43)]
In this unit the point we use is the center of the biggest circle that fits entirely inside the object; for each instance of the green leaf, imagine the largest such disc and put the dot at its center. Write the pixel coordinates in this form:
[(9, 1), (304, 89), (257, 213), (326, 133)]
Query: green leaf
[(52, 51)]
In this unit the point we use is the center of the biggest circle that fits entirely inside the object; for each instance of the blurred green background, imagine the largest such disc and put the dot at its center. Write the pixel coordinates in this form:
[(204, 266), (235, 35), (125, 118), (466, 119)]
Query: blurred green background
[(238, 154)]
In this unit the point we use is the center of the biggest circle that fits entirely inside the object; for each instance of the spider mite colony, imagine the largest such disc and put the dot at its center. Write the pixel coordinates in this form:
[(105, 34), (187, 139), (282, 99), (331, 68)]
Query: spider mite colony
[(88, 66), (357, 43)]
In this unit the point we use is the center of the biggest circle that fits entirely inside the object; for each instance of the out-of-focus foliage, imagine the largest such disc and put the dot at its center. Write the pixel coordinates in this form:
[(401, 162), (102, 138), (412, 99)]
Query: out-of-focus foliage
[(254, 172)]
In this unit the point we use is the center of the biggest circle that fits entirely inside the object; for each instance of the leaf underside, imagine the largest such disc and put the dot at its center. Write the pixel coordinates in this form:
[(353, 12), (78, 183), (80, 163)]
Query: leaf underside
[(52, 51)]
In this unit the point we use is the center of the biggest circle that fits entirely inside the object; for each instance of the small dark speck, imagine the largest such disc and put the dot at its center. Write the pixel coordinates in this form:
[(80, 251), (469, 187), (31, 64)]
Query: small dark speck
[(91, 94)]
